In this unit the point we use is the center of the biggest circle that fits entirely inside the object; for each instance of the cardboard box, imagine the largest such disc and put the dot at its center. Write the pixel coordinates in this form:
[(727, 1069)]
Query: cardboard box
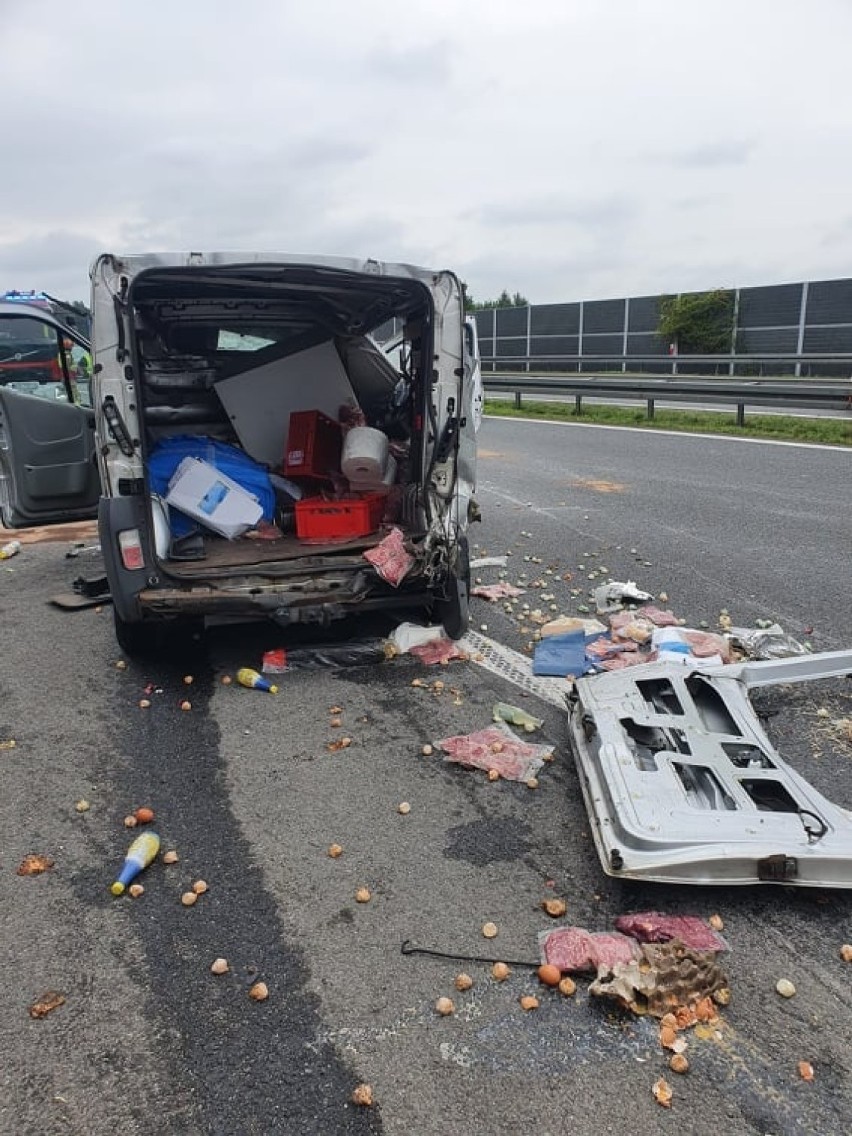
[(213, 499)]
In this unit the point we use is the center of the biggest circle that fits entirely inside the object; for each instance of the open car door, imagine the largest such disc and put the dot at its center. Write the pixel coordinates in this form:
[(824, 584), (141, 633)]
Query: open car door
[(48, 461)]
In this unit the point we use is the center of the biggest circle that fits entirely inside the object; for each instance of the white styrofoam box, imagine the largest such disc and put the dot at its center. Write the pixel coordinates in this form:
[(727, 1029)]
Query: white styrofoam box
[(259, 402), (215, 500)]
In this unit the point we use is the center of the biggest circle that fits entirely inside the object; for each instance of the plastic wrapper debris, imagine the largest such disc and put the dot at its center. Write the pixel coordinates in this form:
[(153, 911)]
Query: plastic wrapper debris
[(605, 648), (658, 617), (680, 645), (439, 651), (656, 927), (409, 635), (635, 628), (575, 949), (766, 642), (664, 978), (565, 623), (495, 592), (489, 562), (390, 558), (628, 659), (515, 716), (654, 616), (496, 747), (354, 653), (617, 594)]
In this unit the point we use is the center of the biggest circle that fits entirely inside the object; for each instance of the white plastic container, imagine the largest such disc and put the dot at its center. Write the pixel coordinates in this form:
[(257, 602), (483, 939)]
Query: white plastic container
[(213, 499)]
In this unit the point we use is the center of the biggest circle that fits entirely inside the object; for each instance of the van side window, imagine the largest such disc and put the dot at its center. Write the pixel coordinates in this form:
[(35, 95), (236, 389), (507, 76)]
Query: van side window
[(31, 358)]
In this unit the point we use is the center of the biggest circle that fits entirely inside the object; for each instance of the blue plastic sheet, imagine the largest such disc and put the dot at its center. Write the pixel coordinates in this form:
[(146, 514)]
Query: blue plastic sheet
[(559, 655), (235, 463)]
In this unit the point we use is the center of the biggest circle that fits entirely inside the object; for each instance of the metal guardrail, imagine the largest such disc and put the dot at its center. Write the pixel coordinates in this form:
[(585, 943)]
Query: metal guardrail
[(799, 394), (726, 360)]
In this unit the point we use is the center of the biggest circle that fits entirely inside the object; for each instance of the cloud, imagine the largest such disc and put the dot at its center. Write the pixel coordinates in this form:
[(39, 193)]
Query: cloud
[(713, 154)]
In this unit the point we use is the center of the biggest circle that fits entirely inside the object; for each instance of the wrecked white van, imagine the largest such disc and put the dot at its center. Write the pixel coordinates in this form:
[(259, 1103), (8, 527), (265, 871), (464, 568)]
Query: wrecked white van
[(257, 448)]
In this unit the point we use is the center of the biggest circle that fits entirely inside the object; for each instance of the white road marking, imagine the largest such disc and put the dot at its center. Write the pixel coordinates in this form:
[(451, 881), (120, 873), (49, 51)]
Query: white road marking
[(671, 433)]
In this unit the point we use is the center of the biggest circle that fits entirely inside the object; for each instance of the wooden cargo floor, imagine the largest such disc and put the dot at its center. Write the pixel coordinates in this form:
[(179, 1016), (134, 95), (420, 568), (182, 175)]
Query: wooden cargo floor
[(246, 553)]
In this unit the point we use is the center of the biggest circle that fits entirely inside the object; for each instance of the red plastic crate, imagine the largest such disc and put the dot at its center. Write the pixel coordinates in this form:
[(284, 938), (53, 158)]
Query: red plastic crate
[(314, 443), (318, 519)]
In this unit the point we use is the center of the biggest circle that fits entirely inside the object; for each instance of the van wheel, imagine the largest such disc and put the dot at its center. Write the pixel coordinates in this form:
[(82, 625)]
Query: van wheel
[(139, 640), (453, 611)]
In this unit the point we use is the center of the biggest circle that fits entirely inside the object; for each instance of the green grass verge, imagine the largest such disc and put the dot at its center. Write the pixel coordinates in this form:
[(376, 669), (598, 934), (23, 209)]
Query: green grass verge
[(827, 431)]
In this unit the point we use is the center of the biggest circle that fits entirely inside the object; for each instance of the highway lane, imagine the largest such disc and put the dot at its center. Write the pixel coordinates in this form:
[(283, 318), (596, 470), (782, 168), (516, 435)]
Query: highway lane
[(246, 789)]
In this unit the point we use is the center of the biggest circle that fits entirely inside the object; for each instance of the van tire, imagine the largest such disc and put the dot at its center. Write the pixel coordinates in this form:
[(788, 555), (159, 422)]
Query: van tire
[(139, 640), (453, 610)]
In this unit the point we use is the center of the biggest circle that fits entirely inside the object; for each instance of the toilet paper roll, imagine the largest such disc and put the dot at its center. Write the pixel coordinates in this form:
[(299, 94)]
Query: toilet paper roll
[(365, 454), (361, 484)]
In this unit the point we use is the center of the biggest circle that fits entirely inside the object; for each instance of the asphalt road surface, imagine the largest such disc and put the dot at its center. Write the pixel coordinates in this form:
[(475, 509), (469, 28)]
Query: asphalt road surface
[(247, 791)]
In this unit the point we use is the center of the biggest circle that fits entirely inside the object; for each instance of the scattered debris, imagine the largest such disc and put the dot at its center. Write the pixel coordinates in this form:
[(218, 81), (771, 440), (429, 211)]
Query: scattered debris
[(46, 1004), (495, 592), (404, 808), (576, 949), (259, 992), (549, 975), (765, 642), (617, 594), (341, 743), (135, 890), (189, 899), (806, 1070), (254, 681), (463, 982), (139, 855), (489, 930), (554, 907), (496, 749), (655, 927), (34, 865), (445, 1007), (82, 806), (515, 716), (662, 1091), (10, 549), (716, 922), (390, 558), (362, 1095), (170, 857), (846, 952), (529, 1002), (363, 895), (489, 562), (144, 815), (408, 635), (335, 850), (219, 966), (500, 972), (785, 987), (10, 743), (664, 977), (438, 651)]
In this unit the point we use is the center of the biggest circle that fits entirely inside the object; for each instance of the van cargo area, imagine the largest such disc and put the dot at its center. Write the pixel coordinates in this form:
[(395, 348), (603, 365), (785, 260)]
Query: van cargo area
[(274, 442)]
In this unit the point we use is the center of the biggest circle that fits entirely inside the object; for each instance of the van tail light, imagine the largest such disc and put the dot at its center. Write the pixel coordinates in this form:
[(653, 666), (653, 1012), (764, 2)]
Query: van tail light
[(130, 547)]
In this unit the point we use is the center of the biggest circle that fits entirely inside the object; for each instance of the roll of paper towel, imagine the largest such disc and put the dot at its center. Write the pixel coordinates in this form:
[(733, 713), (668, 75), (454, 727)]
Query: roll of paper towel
[(365, 454)]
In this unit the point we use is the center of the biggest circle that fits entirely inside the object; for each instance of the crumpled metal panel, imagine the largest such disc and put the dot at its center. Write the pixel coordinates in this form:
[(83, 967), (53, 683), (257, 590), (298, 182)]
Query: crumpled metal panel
[(682, 785)]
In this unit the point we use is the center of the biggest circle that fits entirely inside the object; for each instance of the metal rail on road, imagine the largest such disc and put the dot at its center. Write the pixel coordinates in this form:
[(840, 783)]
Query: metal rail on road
[(793, 394)]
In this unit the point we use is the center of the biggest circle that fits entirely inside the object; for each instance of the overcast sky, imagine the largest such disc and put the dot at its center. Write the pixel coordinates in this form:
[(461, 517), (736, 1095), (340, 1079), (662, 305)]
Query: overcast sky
[(561, 148)]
